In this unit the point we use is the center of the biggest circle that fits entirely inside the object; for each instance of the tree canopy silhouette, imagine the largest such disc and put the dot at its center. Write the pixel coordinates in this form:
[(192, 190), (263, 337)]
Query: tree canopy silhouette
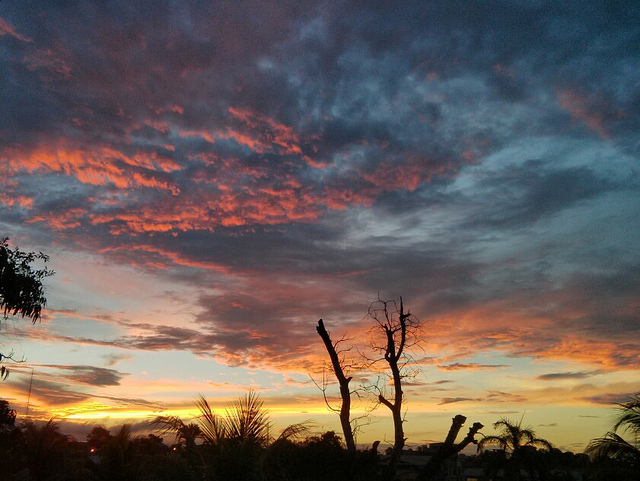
[(21, 288), (519, 445)]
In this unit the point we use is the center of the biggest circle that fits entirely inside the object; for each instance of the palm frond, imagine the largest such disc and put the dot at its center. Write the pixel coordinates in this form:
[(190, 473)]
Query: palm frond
[(493, 440), (294, 431), (515, 436), (526, 436), (613, 446), (540, 444), (629, 417), (169, 425), (212, 427), (182, 432), (189, 433), (248, 420), (122, 438)]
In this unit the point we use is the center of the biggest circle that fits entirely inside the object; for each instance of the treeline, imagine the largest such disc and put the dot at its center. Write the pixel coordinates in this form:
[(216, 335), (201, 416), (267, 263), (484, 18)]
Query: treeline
[(239, 446), (233, 447)]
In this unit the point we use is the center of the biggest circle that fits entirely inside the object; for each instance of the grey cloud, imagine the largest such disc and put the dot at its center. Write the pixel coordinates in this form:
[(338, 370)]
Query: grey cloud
[(47, 385), (451, 400), (89, 375), (610, 398), (456, 366), (164, 338), (522, 195), (559, 376), (55, 392), (132, 402), (113, 359), (500, 396)]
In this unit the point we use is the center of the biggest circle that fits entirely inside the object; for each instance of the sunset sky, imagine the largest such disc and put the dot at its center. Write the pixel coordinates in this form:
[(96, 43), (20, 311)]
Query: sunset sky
[(211, 178)]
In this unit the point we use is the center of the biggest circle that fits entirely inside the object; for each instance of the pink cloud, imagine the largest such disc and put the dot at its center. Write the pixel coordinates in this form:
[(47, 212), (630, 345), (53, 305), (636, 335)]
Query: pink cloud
[(164, 258), (360, 186), (49, 62), (583, 110), (7, 29)]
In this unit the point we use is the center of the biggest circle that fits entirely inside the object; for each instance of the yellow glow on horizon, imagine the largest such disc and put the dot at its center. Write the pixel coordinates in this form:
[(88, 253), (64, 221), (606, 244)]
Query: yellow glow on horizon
[(97, 411), (112, 415), (89, 414)]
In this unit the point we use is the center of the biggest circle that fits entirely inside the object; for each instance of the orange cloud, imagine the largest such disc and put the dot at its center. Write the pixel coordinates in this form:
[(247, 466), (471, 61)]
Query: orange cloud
[(10, 200), (69, 219), (209, 210), (262, 134), (97, 166), (177, 109), (525, 332), (162, 258), (283, 135), (159, 125)]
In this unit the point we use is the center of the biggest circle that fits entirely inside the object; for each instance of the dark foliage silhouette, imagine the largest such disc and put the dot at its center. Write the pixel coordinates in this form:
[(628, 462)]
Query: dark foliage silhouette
[(519, 447), (21, 289), (615, 447)]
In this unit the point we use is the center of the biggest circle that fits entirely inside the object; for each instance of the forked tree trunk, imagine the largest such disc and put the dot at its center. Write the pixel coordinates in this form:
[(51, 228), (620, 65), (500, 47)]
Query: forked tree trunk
[(393, 353), (449, 448), (345, 392)]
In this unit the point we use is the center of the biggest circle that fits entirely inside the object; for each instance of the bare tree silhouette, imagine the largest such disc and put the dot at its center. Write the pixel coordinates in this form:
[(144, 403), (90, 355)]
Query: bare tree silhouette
[(399, 329), (345, 390)]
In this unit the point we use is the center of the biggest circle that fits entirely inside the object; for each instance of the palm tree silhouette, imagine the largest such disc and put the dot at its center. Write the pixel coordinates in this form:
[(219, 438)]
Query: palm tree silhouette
[(233, 442), (614, 446), (44, 445), (519, 445), (246, 421)]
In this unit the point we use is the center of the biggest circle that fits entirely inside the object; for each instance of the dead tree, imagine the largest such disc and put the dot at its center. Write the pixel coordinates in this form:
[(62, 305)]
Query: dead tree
[(398, 327), (449, 447), (345, 391)]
